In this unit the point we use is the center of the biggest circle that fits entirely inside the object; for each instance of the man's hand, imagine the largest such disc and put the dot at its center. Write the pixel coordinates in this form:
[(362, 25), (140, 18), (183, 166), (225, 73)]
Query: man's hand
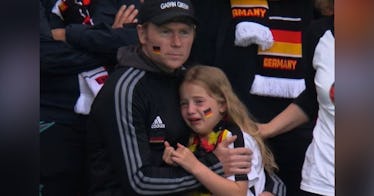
[(234, 160), (58, 34), (125, 15)]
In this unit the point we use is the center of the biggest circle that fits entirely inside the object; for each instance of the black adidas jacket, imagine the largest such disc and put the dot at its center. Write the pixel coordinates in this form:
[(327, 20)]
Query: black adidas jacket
[(135, 111)]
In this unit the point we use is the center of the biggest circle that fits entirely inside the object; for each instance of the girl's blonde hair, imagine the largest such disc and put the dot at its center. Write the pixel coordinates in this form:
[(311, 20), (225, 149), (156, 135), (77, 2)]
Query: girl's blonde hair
[(218, 86)]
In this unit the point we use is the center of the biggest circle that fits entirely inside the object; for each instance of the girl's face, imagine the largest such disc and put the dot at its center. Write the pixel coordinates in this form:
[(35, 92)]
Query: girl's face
[(200, 110)]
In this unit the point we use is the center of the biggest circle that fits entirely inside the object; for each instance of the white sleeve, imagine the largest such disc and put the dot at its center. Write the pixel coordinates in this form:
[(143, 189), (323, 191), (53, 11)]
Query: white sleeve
[(256, 177)]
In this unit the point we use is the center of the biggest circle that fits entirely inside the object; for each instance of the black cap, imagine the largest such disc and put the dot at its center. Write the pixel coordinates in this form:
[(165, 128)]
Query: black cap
[(163, 11)]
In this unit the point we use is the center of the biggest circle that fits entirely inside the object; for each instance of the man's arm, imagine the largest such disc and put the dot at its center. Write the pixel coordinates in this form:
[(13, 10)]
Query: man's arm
[(58, 57), (102, 37)]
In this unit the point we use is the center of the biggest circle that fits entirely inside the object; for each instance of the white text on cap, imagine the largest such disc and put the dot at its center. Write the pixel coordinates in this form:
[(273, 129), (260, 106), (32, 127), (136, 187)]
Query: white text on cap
[(174, 4)]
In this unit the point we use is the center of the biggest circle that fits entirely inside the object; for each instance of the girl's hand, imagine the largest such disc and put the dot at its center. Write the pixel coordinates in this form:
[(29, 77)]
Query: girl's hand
[(184, 158), (167, 154)]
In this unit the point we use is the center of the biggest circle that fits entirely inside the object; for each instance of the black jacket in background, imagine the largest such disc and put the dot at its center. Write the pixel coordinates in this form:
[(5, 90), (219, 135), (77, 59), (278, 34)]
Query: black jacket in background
[(101, 38), (87, 47), (59, 67)]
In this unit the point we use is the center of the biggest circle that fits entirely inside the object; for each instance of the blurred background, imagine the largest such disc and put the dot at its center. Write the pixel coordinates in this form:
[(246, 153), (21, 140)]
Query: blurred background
[(355, 93)]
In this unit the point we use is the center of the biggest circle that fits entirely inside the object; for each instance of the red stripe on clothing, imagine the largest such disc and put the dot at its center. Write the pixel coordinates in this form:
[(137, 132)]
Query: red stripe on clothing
[(286, 36), (156, 139)]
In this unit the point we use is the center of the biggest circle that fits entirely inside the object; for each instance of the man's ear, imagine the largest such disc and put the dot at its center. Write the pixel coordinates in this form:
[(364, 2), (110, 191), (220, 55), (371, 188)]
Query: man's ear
[(141, 33)]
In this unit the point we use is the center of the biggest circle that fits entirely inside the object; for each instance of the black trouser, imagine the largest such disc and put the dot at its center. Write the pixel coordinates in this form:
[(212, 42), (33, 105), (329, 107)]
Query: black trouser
[(62, 160), (289, 151), (304, 193)]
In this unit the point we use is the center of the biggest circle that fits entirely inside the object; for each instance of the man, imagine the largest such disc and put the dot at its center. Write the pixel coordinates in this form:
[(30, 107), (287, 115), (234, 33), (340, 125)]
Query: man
[(69, 77), (62, 130), (138, 109)]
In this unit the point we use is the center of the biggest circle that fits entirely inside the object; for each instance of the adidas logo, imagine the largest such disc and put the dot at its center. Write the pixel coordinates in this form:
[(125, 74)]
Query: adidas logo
[(157, 123)]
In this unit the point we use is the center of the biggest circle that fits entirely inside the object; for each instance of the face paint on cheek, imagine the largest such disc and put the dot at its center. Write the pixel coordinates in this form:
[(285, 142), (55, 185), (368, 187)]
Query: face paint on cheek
[(157, 49), (208, 113)]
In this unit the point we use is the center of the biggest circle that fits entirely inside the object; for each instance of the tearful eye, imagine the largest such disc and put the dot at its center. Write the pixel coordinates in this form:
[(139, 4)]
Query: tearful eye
[(199, 102), (183, 104)]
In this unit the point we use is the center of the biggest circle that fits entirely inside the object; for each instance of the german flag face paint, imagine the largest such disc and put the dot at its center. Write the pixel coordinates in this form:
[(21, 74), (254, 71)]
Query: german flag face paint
[(156, 49), (208, 113)]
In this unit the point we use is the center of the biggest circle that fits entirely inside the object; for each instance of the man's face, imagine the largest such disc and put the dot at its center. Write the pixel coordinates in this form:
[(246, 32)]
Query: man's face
[(169, 44)]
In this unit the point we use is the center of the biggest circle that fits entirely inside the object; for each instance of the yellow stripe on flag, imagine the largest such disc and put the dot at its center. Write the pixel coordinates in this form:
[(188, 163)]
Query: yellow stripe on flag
[(249, 3), (225, 134), (283, 49)]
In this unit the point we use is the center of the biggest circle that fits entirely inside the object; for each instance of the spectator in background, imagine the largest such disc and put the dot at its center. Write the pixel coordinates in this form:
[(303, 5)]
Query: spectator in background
[(318, 173), (114, 26), (70, 77)]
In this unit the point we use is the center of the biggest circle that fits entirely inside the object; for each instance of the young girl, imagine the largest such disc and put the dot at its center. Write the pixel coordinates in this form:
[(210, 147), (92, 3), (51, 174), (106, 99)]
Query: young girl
[(210, 107)]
